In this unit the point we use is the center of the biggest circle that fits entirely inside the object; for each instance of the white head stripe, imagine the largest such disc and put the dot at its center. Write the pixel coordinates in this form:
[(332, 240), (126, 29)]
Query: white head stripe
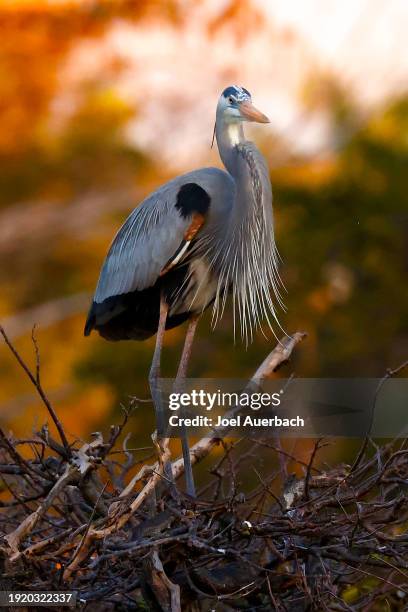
[(241, 93)]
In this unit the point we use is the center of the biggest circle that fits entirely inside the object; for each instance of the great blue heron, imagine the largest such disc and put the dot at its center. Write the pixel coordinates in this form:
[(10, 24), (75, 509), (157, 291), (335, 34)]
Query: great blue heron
[(190, 243)]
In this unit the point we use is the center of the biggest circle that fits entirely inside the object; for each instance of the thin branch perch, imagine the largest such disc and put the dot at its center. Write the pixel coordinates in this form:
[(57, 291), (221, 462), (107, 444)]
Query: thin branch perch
[(37, 384)]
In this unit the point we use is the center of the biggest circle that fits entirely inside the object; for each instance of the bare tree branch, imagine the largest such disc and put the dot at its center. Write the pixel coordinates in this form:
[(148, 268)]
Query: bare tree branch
[(273, 361), (37, 384), (71, 522)]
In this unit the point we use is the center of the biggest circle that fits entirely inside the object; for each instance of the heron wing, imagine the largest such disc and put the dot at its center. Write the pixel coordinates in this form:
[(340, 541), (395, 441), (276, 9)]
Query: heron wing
[(157, 234)]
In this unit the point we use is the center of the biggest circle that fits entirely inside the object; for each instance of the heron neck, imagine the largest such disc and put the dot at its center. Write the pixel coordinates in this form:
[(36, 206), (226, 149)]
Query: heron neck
[(246, 256), (232, 145), (229, 135)]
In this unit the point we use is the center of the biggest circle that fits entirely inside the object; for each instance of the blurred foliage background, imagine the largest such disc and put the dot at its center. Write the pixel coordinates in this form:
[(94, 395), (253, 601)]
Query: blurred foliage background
[(100, 102)]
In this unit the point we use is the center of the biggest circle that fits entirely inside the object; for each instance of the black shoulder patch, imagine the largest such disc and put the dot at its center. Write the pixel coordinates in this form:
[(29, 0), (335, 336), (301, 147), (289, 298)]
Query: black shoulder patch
[(191, 199)]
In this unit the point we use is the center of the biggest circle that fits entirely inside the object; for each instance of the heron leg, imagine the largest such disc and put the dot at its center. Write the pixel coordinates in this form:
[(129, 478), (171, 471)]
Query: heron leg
[(155, 390), (178, 386), (154, 373), (154, 376)]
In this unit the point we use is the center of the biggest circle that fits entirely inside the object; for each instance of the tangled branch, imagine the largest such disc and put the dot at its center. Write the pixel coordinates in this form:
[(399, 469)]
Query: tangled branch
[(78, 517)]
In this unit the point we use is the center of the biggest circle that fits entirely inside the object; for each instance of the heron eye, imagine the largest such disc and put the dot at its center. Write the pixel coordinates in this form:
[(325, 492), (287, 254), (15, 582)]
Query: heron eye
[(231, 100)]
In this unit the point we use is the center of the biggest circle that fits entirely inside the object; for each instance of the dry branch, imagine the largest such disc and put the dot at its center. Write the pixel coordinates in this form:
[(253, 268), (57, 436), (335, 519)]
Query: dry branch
[(273, 361), (295, 543), (35, 380)]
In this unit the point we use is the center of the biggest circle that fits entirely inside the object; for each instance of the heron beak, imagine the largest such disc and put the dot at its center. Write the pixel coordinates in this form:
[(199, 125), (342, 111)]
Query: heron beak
[(250, 113)]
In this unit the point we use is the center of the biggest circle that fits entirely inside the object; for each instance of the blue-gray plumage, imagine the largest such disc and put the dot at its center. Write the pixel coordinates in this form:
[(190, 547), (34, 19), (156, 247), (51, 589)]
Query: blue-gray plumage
[(197, 238), (188, 245)]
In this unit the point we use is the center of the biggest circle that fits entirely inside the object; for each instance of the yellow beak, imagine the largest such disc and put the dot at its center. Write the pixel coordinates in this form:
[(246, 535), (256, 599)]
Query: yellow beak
[(250, 113)]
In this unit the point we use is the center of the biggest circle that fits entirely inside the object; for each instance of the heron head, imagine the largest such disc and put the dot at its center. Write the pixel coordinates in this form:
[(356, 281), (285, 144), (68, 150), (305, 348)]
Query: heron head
[(235, 105)]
